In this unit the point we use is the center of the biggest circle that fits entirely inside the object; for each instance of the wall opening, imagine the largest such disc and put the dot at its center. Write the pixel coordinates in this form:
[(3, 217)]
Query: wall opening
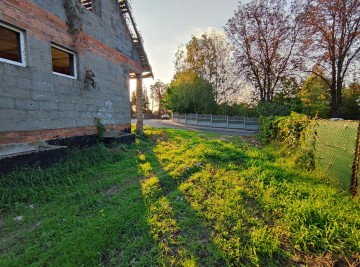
[(88, 4), (63, 62), (12, 49)]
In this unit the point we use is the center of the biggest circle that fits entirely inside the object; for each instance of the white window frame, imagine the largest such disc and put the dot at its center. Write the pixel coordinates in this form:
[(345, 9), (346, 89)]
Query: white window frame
[(22, 47), (74, 60)]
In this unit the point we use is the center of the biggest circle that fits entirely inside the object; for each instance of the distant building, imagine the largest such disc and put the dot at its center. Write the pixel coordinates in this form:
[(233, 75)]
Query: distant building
[(64, 63)]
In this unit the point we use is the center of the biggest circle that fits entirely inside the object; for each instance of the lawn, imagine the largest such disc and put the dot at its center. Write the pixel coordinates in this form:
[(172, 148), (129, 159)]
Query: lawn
[(176, 198)]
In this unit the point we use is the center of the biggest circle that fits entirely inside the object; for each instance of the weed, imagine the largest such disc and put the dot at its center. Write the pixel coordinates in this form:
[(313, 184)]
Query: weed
[(176, 198)]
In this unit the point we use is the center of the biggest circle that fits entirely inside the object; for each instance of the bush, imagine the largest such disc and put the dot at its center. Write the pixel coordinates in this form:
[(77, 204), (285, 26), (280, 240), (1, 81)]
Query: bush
[(280, 106), (294, 132)]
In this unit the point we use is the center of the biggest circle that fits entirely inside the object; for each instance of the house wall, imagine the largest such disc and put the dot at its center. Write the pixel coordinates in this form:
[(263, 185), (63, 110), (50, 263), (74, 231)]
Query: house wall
[(36, 104)]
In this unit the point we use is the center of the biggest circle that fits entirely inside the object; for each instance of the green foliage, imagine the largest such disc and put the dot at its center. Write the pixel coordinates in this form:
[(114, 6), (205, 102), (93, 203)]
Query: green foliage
[(315, 96), (267, 129), (295, 133), (100, 127), (146, 101), (188, 93), (39, 186), (281, 105), (210, 57), (176, 198), (236, 109), (133, 101), (292, 129), (350, 105), (158, 94)]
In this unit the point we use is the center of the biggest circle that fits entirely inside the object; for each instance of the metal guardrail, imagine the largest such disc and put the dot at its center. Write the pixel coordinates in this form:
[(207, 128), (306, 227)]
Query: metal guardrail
[(216, 121)]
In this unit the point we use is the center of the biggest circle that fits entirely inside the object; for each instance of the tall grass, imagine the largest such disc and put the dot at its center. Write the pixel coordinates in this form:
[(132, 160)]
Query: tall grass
[(177, 198)]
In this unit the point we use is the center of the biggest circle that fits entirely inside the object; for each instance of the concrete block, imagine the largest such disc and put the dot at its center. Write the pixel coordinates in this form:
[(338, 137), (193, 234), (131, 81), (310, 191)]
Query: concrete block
[(16, 92), (7, 103), (24, 83), (8, 81), (67, 123), (42, 86), (40, 96), (66, 106), (33, 115), (8, 125), (48, 105), (42, 76), (26, 104), (12, 114), (56, 115)]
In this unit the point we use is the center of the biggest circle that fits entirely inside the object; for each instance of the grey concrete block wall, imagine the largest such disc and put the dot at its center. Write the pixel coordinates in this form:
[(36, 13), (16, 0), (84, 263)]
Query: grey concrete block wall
[(33, 98), (106, 24)]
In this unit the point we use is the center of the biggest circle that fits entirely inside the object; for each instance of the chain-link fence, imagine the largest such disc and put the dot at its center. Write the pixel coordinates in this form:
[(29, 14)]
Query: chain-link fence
[(335, 150)]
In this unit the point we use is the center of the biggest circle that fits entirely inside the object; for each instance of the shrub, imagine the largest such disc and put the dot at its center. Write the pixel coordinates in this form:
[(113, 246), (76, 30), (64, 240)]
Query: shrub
[(291, 130), (294, 132)]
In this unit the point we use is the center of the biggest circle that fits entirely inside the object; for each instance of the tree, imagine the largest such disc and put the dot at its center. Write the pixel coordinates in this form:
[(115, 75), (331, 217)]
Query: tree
[(145, 97), (133, 100), (315, 96), (189, 93), (263, 35), (210, 57), (350, 108), (331, 31), (158, 91), (146, 100)]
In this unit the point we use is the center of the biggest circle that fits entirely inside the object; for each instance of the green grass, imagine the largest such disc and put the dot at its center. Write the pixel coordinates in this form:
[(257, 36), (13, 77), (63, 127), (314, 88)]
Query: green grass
[(176, 198), (335, 149)]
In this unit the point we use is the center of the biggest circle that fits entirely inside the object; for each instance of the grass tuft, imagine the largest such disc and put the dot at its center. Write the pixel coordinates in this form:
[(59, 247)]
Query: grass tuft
[(176, 198)]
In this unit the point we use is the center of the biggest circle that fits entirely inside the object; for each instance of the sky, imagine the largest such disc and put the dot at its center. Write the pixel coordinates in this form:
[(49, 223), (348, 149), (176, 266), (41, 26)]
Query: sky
[(166, 24)]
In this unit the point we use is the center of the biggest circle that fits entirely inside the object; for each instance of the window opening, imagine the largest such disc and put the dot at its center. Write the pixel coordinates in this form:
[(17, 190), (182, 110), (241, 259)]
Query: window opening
[(88, 4), (63, 61), (11, 45)]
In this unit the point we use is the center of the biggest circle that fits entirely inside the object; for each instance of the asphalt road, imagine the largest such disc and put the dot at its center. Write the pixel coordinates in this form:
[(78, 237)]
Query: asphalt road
[(175, 125)]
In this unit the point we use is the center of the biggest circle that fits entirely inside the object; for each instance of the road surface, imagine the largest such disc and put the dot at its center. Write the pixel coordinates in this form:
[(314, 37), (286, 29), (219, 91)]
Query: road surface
[(175, 125)]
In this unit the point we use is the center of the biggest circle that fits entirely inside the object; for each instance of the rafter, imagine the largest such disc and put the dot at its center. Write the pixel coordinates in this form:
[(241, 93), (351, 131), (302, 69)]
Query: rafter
[(136, 37)]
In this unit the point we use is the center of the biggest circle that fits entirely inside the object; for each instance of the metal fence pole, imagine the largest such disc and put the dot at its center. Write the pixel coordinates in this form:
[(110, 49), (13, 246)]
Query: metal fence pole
[(244, 123), (355, 174), (227, 121), (196, 119)]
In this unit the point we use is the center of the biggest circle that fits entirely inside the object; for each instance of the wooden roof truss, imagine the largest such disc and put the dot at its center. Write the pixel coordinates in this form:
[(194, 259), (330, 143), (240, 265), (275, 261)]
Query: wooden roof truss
[(136, 37)]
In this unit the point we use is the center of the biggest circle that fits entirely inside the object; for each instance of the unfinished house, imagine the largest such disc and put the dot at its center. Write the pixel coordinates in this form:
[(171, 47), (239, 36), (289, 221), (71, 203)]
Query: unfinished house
[(65, 67)]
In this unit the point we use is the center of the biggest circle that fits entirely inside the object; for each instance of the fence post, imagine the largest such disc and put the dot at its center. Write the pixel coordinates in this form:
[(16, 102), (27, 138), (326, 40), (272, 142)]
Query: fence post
[(196, 118), (244, 123), (355, 174), (185, 119), (227, 121)]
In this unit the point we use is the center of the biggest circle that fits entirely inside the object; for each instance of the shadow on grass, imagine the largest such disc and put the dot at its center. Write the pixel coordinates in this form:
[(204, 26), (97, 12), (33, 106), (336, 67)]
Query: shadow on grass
[(182, 236)]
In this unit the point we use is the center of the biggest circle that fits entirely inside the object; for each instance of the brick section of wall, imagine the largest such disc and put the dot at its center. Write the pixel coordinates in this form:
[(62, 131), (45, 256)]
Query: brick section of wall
[(46, 26), (38, 135)]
